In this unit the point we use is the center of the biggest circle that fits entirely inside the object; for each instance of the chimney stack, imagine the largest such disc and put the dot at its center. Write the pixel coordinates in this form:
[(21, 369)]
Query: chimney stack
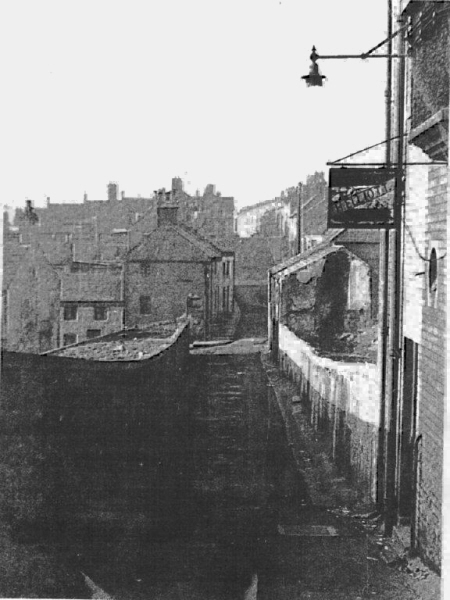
[(30, 213), (177, 184), (112, 191), (167, 209)]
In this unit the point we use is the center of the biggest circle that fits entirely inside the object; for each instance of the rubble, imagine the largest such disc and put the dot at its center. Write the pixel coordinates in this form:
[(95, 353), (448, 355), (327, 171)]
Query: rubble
[(128, 350)]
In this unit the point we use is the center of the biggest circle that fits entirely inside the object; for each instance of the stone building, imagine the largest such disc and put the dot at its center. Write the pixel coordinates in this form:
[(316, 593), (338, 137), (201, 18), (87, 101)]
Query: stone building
[(172, 264), (92, 301), (31, 304)]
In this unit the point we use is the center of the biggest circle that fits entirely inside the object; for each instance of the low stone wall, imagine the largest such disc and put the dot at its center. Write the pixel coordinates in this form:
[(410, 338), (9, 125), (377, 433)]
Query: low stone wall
[(343, 403), (93, 440)]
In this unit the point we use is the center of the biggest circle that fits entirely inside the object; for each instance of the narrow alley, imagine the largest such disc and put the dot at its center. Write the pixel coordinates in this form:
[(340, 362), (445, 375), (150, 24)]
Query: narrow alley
[(248, 527)]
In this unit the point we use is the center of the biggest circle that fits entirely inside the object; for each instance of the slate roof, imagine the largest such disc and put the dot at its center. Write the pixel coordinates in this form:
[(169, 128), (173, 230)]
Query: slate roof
[(174, 243)]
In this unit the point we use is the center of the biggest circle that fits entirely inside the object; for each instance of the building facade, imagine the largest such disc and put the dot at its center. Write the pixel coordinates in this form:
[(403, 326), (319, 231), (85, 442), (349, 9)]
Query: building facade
[(92, 301), (413, 491), (171, 265)]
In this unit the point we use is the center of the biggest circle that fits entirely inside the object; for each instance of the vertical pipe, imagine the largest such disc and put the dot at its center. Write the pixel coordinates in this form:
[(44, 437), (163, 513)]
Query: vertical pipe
[(384, 278), (395, 340), (300, 219)]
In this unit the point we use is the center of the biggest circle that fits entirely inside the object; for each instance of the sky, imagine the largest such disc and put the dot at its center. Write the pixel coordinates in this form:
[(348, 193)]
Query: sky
[(140, 91)]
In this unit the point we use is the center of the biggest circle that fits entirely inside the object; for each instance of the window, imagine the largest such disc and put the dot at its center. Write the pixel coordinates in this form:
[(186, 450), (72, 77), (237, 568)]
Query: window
[(145, 269), (93, 333), (226, 299), (100, 313), (145, 305), (69, 338), (70, 313), (432, 276)]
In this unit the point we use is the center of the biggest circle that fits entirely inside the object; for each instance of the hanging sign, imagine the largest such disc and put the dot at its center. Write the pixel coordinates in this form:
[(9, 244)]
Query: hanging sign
[(361, 198)]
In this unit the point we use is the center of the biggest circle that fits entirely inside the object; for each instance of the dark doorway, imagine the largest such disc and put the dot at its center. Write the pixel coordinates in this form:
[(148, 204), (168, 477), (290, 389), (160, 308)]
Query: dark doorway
[(408, 433)]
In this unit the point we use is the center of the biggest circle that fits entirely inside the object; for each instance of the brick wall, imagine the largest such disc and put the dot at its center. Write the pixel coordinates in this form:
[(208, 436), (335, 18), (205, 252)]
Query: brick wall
[(415, 267), (88, 442), (343, 403), (432, 374)]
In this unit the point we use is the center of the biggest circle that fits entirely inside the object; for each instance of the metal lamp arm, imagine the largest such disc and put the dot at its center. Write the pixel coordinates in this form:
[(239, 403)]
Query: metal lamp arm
[(361, 56)]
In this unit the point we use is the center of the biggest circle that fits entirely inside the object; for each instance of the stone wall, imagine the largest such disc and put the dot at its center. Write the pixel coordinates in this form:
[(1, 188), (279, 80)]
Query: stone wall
[(167, 284), (86, 322), (343, 403), (32, 304), (91, 442)]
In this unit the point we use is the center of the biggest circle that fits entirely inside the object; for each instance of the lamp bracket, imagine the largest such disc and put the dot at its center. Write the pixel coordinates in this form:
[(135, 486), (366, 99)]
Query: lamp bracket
[(381, 164)]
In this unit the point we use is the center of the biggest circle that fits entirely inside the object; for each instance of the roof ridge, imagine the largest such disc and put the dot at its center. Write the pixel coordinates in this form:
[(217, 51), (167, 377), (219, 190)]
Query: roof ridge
[(199, 238), (191, 239), (329, 236)]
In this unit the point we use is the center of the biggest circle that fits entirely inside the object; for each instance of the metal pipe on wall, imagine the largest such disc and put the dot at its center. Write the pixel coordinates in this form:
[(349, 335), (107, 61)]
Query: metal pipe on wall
[(384, 278), (395, 313)]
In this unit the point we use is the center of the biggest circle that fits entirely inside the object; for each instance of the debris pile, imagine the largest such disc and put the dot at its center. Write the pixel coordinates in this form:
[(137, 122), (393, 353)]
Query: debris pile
[(134, 349)]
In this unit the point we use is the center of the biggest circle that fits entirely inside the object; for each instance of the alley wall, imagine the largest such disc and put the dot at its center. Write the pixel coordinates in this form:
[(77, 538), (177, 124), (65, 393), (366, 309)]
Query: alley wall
[(342, 400), (87, 441)]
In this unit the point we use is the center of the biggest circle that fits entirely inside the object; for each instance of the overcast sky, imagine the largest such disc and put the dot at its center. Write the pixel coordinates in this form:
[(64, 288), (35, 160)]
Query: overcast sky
[(139, 91)]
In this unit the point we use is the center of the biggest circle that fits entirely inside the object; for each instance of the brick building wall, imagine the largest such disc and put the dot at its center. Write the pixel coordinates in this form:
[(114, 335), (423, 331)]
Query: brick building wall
[(415, 245), (424, 280), (432, 372)]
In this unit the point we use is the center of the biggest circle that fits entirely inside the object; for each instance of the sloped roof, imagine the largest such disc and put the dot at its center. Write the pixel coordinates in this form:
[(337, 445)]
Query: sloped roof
[(173, 243), (321, 250), (91, 282)]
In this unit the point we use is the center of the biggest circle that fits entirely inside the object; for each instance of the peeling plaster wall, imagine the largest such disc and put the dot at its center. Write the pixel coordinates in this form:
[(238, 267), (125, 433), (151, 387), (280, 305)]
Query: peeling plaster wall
[(343, 402)]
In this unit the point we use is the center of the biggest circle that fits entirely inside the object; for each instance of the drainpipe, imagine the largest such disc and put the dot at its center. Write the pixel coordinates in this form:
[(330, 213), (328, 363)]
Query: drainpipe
[(395, 316), (300, 219), (384, 279)]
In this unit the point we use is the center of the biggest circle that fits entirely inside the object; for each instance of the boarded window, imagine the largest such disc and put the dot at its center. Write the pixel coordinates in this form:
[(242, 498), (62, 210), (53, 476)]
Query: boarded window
[(100, 313), (70, 313), (93, 333), (69, 338), (145, 305)]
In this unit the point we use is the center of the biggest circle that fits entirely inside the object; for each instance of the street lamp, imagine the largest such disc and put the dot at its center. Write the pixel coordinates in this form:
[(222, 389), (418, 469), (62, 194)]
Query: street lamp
[(314, 77)]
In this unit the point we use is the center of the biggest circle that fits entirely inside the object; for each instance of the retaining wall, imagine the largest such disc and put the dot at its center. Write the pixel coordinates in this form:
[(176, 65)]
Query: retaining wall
[(343, 403)]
